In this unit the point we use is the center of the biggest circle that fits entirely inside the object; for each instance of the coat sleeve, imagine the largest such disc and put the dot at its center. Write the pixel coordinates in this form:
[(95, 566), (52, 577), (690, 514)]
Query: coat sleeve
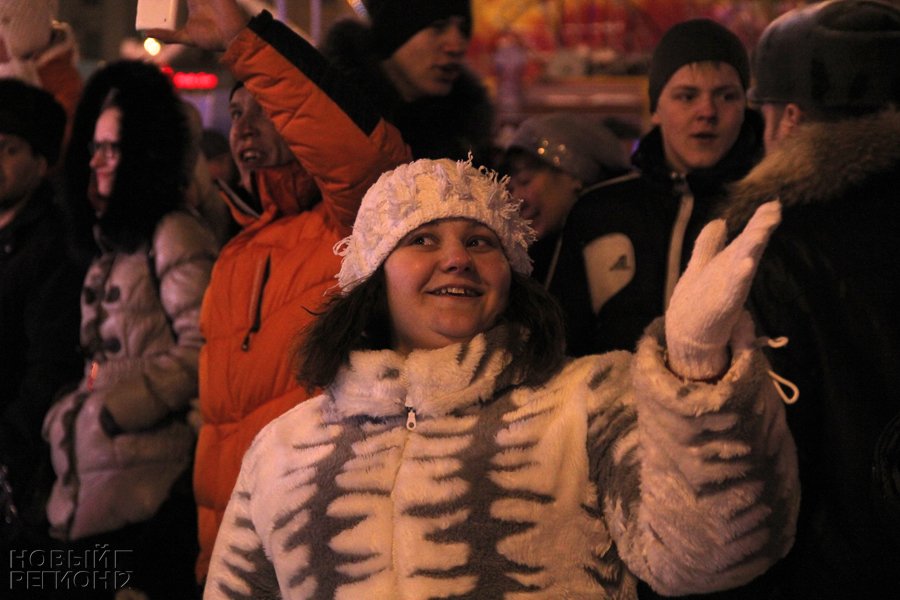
[(700, 489), (184, 252), (332, 129)]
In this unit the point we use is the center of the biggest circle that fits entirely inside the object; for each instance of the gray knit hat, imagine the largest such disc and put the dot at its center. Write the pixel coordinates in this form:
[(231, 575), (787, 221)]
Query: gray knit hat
[(696, 40), (426, 190), (578, 145)]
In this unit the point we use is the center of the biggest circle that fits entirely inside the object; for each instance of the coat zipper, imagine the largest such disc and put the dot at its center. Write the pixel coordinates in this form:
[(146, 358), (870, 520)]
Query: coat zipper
[(259, 286)]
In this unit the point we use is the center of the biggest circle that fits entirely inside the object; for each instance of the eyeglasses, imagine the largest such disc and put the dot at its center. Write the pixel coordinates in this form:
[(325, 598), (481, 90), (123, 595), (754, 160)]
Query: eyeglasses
[(110, 150)]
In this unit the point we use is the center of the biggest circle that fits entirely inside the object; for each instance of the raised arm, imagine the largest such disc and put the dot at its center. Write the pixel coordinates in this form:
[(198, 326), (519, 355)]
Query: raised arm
[(334, 132), (702, 491)]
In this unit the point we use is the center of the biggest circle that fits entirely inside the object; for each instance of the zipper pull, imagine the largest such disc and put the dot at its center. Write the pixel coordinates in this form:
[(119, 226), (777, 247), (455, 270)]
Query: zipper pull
[(410, 417)]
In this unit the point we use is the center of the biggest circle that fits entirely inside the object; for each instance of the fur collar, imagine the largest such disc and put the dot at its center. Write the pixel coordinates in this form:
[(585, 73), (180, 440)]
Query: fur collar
[(382, 383), (819, 163)]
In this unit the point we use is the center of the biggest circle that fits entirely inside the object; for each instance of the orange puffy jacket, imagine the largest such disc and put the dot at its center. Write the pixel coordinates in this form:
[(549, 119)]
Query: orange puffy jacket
[(271, 275)]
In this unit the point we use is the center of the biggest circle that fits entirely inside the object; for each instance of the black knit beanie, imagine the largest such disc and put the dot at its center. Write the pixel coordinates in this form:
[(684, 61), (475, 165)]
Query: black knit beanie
[(395, 21), (34, 115), (697, 40)]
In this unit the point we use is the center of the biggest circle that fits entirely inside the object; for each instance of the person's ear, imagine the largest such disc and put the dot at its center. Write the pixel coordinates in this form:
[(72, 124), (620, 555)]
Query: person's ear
[(792, 117)]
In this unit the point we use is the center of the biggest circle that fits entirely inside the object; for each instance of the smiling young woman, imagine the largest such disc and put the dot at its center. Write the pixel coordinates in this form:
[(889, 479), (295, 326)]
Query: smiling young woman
[(455, 451)]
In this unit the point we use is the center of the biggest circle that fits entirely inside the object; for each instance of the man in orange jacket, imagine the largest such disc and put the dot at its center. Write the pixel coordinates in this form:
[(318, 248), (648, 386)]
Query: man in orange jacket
[(301, 198)]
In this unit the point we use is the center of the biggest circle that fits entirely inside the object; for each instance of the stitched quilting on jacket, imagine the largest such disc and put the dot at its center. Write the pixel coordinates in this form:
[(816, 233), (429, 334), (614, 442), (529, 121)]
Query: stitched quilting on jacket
[(436, 476), (141, 338)]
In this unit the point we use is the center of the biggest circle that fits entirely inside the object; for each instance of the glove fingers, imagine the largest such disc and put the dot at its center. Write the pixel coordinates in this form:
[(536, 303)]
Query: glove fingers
[(753, 239), (743, 277), (709, 243)]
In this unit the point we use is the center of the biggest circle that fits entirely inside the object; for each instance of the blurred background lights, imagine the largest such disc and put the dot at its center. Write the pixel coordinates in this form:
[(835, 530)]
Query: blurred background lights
[(152, 46)]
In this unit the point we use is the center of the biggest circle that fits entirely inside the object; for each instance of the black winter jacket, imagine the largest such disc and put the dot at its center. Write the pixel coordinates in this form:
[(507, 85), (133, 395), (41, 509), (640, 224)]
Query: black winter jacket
[(39, 321), (830, 281), (438, 127), (641, 206)]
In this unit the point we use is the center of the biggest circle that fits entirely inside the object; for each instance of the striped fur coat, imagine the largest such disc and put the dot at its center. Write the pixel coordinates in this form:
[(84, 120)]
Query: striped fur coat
[(435, 476)]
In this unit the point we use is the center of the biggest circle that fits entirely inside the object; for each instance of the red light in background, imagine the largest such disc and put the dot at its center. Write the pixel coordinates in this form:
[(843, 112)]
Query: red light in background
[(195, 81)]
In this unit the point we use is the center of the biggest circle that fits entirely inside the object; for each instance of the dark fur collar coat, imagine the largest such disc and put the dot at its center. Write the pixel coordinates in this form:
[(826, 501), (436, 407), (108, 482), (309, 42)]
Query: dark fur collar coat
[(830, 282)]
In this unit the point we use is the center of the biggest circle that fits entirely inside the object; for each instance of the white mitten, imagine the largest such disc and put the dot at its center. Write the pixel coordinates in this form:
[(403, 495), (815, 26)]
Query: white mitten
[(710, 295)]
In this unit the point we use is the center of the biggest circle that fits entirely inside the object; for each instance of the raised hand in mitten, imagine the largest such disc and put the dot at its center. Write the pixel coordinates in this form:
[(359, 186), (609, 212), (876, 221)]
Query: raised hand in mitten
[(710, 295)]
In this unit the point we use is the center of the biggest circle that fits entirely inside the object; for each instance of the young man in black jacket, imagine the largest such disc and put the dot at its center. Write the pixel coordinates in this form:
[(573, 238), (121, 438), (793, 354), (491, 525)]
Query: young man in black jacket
[(627, 242), (409, 58)]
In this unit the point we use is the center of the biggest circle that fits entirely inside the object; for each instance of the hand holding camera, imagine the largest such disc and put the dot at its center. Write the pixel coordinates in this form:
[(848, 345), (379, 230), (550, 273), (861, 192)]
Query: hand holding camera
[(210, 25)]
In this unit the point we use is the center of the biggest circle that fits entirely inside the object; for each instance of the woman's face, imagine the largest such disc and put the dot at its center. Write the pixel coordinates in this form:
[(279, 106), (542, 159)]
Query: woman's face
[(447, 281), (105, 152), (547, 195)]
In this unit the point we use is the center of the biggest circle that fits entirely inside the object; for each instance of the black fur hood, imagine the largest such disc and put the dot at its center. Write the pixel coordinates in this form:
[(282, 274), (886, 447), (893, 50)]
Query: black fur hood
[(440, 127), (152, 174)]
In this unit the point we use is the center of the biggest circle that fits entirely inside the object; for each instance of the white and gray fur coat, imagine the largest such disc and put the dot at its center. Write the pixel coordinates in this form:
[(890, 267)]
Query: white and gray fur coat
[(434, 476)]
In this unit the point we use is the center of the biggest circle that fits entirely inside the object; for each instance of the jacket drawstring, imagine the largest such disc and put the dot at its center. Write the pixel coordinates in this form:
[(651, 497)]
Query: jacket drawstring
[(781, 383), (256, 300)]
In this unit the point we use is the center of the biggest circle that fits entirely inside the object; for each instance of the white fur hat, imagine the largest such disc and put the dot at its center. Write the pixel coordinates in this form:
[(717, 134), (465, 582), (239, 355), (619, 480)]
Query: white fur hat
[(26, 25), (423, 191)]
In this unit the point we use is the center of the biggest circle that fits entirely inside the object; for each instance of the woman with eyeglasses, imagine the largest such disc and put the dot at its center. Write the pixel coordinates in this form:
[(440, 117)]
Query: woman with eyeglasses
[(120, 443)]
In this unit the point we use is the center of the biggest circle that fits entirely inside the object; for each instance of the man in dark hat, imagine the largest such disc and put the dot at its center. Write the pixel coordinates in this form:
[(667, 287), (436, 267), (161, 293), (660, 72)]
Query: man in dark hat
[(627, 242), (39, 287), (410, 60), (827, 82)]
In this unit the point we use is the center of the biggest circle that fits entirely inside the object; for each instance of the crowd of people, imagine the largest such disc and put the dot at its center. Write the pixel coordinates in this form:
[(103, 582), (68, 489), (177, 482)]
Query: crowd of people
[(356, 350)]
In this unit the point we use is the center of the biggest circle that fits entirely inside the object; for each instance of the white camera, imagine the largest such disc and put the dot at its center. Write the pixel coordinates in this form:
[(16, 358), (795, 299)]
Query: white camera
[(156, 14)]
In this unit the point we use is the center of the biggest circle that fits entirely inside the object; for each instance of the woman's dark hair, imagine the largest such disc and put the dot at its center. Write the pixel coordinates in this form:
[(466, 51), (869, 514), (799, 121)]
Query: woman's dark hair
[(360, 320), (152, 173)]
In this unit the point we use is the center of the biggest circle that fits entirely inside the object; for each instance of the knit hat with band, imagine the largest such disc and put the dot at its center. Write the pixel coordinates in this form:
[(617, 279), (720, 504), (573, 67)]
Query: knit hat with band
[(697, 40), (34, 115), (426, 190), (395, 21), (575, 144)]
